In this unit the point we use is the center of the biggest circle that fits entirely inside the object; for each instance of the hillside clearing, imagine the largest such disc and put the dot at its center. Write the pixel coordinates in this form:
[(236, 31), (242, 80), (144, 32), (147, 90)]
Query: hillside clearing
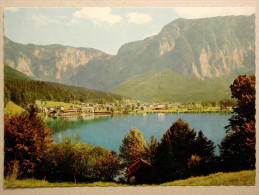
[(12, 108)]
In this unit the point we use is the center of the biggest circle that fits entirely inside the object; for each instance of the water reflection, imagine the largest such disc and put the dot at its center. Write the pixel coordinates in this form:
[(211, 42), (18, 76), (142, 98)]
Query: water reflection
[(144, 116), (65, 123), (161, 117)]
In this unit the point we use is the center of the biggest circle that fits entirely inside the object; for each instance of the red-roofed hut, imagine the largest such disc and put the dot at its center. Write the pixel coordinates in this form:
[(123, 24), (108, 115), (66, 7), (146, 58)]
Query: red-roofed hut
[(140, 172)]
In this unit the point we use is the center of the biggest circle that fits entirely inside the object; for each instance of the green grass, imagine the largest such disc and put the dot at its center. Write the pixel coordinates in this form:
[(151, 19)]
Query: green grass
[(12, 108), (233, 178), (65, 105), (42, 183)]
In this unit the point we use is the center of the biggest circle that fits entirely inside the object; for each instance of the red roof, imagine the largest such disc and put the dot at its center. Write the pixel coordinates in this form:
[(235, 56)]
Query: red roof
[(134, 167)]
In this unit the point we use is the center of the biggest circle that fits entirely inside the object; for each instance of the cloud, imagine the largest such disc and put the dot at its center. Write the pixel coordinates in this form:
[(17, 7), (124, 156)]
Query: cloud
[(43, 20), (98, 15), (206, 12), (138, 18), (12, 9), (74, 21)]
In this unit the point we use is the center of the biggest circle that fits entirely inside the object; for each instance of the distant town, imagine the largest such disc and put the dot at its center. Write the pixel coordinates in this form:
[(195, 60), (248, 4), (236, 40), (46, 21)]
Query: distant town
[(66, 109)]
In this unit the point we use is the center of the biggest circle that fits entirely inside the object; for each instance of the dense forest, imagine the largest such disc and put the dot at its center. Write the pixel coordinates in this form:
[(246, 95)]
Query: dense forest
[(24, 91)]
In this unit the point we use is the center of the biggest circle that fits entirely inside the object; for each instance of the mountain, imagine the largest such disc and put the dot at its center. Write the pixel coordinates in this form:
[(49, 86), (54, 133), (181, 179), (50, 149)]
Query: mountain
[(210, 47), (200, 48), (55, 63), (167, 86)]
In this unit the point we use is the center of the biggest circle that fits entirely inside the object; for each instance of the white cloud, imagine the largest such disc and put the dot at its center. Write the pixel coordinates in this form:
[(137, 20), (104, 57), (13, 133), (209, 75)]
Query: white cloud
[(206, 12), (12, 9), (74, 21), (98, 15), (138, 18), (43, 20)]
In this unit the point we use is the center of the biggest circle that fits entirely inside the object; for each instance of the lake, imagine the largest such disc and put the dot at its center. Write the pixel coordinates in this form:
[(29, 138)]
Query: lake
[(108, 131)]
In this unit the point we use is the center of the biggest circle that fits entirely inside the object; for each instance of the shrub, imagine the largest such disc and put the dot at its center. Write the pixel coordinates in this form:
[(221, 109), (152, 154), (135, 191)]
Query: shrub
[(26, 137), (78, 162)]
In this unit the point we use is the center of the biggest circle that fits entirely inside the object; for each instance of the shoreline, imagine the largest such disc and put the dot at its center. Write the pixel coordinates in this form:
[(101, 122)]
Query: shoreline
[(142, 112)]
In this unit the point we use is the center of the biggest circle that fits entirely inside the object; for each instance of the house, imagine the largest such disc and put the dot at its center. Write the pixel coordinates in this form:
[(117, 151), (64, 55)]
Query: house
[(72, 110), (87, 109), (143, 108), (44, 110), (140, 172), (160, 107), (60, 107), (64, 112), (50, 109), (53, 113)]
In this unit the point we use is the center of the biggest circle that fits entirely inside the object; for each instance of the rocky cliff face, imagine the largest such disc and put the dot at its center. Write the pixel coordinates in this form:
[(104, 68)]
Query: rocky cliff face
[(51, 63), (203, 48)]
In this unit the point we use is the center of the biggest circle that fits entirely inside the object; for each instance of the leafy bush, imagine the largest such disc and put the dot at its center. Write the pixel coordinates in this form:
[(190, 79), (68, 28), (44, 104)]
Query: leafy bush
[(76, 161), (26, 137)]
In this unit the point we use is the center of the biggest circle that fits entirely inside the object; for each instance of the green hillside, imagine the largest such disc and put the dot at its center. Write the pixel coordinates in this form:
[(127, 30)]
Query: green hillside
[(232, 178), (11, 108), (10, 73), (167, 86), (22, 91)]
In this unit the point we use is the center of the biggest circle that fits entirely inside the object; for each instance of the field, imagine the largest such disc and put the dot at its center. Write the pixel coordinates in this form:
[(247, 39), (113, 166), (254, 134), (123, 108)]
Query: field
[(233, 178), (11, 108), (56, 104)]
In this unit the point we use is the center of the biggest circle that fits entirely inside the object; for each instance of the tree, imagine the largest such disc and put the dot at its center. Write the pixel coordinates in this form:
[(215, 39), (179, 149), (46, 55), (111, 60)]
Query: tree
[(204, 149), (26, 138), (133, 147), (7, 95), (151, 150), (237, 150), (174, 151), (108, 165), (243, 89)]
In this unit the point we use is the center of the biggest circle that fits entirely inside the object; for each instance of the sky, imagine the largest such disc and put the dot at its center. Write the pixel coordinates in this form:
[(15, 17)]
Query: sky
[(102, 28)]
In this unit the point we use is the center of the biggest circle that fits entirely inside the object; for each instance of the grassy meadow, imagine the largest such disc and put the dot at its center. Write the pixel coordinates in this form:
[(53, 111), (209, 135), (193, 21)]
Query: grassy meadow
[(12, 108), (232, 178), (217, 179)]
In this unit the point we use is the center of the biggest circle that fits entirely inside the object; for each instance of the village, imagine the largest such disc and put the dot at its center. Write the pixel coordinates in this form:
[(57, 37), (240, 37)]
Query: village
[(103, 109), (79, 108)]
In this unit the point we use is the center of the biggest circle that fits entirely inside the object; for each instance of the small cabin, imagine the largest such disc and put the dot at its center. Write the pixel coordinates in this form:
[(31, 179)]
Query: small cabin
[(140, 172)]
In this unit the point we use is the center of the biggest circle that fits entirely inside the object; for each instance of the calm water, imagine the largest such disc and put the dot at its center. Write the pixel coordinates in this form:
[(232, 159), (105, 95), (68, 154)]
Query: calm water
[(108, 131)]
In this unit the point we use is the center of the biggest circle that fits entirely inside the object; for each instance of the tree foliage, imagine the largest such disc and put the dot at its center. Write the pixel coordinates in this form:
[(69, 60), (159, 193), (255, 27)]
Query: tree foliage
[(133, 147), (71, 160), (26, 138), (151, 150), (174, 150), (24, 91), (180, 151), (238, 147), (243, 90)]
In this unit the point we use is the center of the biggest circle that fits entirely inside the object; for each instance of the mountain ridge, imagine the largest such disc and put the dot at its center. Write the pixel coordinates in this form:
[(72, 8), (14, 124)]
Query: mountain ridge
[(202, 48)]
